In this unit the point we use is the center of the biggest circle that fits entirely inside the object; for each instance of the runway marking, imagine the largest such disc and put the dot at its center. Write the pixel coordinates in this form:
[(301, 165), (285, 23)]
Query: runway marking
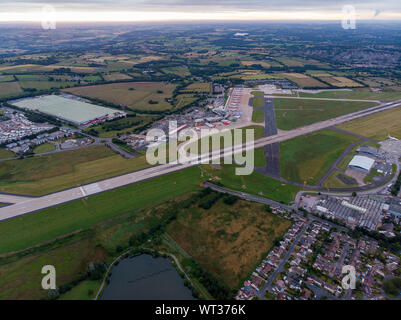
[(83, 192)]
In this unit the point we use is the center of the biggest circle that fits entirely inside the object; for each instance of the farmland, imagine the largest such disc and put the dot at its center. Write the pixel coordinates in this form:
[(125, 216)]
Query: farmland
[(9, 89), (306, 159), (304, 81), (144, 96), (227, 240), (294, 113), (198, 87)]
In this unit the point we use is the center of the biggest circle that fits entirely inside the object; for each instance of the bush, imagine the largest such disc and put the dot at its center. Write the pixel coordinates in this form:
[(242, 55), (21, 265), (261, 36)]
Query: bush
[(230, 199), (95, 270)]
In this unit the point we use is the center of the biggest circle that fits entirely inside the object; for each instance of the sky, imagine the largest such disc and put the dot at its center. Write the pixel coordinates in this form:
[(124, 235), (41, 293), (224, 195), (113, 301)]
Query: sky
[(160, 10)]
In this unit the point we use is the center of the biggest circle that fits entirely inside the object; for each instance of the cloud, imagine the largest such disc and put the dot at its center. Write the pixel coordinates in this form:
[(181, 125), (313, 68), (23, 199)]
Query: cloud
[(205, 5)]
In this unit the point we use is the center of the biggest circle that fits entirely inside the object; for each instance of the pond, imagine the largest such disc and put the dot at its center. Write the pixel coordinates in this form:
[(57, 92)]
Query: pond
[(146, 278)]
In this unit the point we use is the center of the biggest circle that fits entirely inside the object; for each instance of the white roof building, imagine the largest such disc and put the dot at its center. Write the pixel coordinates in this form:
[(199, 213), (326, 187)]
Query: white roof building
[(362, 163)]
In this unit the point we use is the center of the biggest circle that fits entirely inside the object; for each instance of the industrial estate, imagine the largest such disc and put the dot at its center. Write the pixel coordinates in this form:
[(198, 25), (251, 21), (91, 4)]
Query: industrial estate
[(77, 192)]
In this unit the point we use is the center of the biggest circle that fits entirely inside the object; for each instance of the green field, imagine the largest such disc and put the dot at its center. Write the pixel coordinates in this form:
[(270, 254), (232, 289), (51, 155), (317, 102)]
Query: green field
[(260, 158), (306, 159), (146, 96), (377, 126), (21, 279), (258, 116), (6, 78), (9, 89), (50, 173), (258, 101), (227, 240), (256, 183), (121, 126), (334, 182), (44, 85), (5, 154), (43, 148), (223, 136), (294, 113), (86, 290), (50, 223)]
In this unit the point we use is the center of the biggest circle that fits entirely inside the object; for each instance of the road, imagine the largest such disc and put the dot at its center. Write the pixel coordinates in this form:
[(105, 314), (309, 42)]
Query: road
[(280, 268), (35, 204), (246, 196)]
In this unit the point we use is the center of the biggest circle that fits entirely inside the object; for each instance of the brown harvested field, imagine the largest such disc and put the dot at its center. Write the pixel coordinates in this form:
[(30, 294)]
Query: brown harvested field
[(136, 95), (227, 240), (377, 126), (304, 81), (340, 82)]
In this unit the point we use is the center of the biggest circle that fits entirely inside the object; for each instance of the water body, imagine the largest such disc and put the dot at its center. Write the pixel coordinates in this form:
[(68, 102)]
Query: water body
[(146, 278)]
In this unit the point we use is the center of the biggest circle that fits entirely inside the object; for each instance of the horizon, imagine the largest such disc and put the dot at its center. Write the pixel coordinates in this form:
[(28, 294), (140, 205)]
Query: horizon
[(194, 10)]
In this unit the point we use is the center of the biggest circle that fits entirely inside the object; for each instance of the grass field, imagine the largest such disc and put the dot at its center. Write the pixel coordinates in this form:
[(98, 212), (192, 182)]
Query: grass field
[(129, 124), (198, 87), (224, 136), (260, 158), (256, 183), (50, 223), (227, 240), (5, 154), (306, 159), (8, 89), (43, 148), (334, 182), (21, 279), (116, 76), (294, 113), (258, 116), (146, 96), (6, 78), (258, 102), (42, 175), (377, 126), (86, 290)]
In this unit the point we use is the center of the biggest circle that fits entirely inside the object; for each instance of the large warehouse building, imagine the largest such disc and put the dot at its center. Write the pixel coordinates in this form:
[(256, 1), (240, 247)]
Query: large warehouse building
[(362, 163), (68, 109)]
